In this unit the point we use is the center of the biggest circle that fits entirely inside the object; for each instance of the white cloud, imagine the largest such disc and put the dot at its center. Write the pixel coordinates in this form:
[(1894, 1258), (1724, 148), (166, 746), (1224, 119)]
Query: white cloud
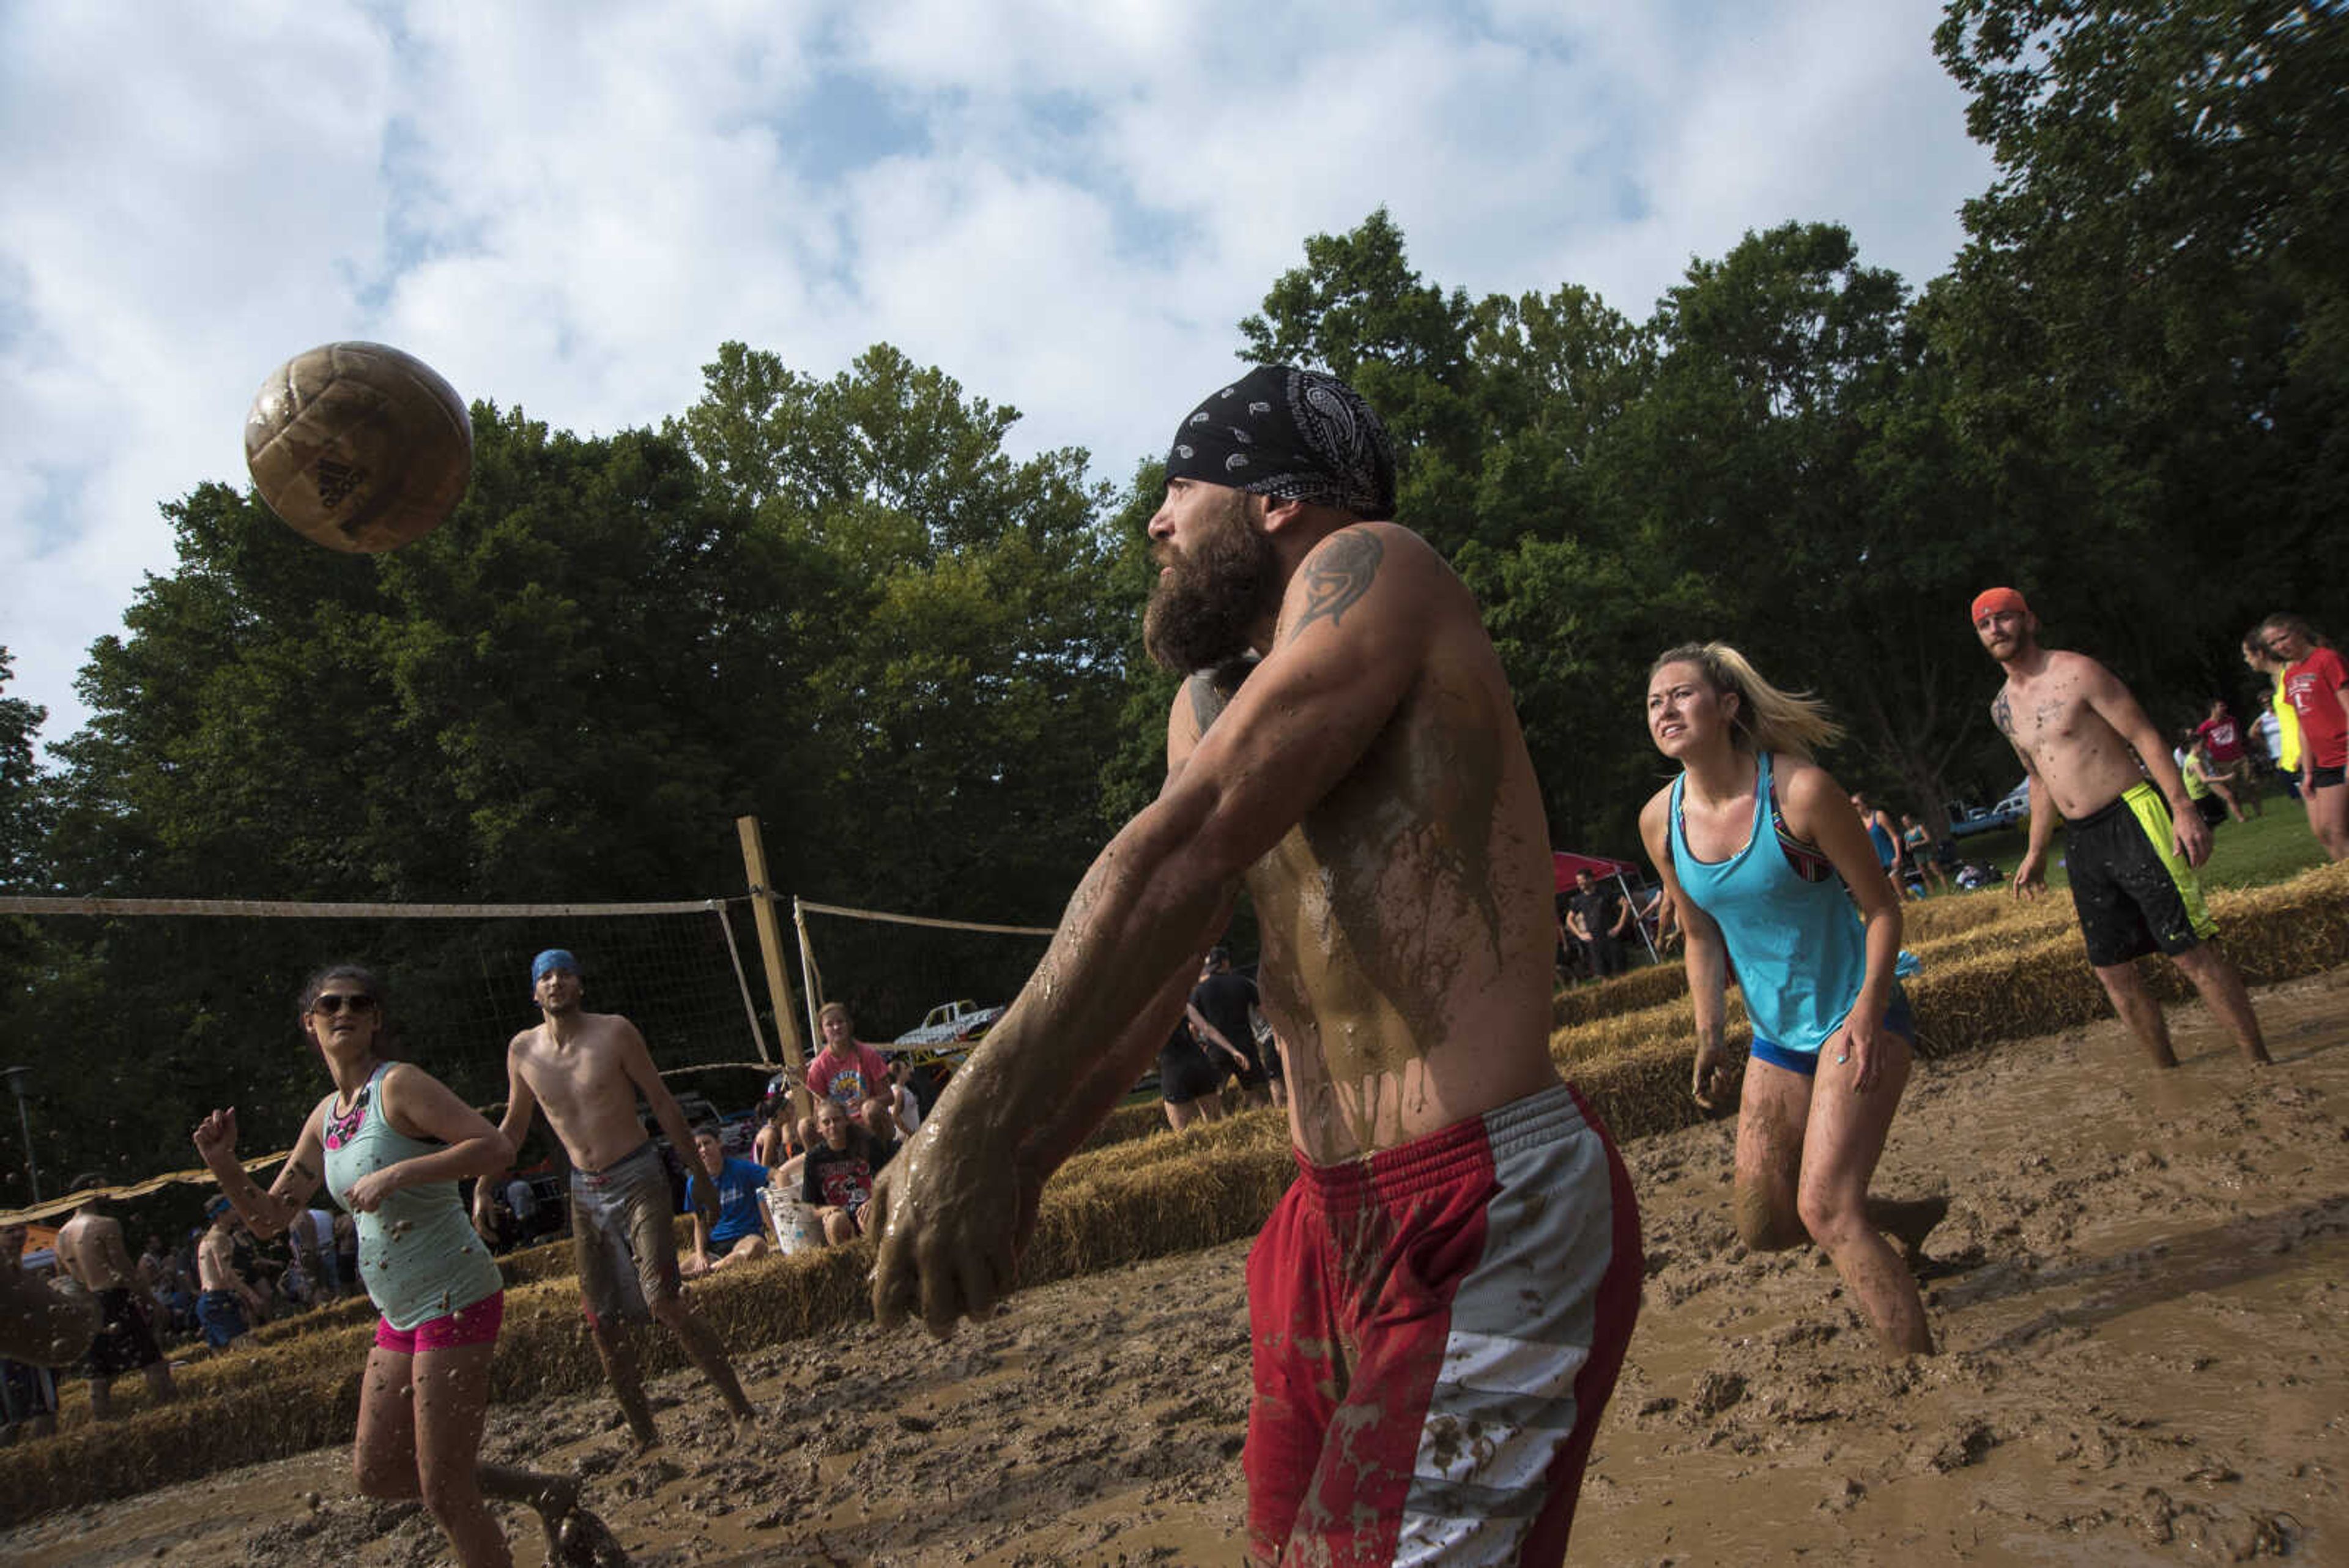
[(1067, 205)]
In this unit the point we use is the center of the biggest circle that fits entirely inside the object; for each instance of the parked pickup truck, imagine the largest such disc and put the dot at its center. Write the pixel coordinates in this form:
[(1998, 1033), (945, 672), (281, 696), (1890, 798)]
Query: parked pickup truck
[(2011, 808), (951, 1021)]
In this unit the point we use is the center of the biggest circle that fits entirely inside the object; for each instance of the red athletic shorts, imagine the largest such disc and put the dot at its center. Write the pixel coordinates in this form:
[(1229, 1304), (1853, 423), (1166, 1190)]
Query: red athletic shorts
[(1435, 1331)]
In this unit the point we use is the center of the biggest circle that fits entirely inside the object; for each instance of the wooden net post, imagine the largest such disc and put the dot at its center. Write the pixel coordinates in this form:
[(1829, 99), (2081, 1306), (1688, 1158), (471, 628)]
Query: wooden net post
[(771, 950)]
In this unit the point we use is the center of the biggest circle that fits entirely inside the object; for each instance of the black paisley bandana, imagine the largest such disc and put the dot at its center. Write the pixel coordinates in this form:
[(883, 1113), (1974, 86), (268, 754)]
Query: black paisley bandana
[(1293, 435)]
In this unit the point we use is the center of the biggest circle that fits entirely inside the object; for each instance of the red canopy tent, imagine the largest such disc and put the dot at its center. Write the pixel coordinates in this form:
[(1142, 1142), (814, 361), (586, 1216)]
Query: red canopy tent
[(1565, 864)]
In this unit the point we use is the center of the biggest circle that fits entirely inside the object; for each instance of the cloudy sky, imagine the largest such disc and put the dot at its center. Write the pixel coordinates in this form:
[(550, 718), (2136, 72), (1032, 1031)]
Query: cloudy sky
[(1066, 203)]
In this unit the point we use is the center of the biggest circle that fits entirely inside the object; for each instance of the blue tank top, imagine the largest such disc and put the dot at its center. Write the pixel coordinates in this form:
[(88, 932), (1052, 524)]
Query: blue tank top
[(1798, 944), (419, 1256)]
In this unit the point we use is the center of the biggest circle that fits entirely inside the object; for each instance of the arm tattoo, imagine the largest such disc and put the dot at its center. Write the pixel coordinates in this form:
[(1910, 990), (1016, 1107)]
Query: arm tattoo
[(301, 1171), (1339, 574), (2003, 716)]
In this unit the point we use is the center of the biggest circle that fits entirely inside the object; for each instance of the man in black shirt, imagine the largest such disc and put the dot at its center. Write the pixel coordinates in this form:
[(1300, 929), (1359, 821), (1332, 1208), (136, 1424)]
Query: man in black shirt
[(1598, 917), (1219, 1012)]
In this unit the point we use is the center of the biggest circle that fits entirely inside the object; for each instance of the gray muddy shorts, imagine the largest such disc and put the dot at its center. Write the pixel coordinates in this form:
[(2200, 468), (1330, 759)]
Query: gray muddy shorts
[(624, 1237)]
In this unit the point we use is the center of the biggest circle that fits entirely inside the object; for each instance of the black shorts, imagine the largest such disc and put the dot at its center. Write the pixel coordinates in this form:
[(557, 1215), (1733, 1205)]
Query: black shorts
[(28, 1393), (2134, 894), (1253, 1075), (124, 1343), (2326, 778), (1187, 1076)]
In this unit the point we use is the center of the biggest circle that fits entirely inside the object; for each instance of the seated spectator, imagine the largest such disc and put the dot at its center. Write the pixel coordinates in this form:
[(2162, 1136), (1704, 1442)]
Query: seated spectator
[(779, 1132), (739, 1231), (838, 1179), (928, 1078), (906, 1105), (312, 1236), (154, 1267), (849, 1073)]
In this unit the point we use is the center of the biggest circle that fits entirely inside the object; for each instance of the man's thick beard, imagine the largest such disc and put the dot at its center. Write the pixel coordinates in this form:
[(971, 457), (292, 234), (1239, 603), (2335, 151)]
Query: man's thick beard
[(1202, 614)]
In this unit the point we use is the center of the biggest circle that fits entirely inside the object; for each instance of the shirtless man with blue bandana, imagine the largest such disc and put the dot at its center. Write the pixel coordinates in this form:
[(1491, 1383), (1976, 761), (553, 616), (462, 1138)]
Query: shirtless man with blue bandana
[(588, 1070)]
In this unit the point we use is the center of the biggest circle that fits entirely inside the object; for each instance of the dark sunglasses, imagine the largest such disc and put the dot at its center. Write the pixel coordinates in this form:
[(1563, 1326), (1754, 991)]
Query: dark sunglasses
[(332, 1002)]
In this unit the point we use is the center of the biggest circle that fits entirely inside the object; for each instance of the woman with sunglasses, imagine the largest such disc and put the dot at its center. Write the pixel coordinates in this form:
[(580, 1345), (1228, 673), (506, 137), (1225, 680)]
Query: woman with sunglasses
[(1758, 846), (390, 1143)]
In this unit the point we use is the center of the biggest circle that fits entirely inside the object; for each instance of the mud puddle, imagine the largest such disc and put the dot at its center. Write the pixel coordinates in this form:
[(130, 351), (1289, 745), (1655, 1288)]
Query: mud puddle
[(2138, 1292)]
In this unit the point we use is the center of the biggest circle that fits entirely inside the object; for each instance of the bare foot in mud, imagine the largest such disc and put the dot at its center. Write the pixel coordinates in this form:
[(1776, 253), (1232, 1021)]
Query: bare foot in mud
[(1911, 1222), (575, 1537), (584, 1542)]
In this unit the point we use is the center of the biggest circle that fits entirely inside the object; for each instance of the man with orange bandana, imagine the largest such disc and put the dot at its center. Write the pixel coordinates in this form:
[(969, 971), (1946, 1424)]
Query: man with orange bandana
[(2134, 837)]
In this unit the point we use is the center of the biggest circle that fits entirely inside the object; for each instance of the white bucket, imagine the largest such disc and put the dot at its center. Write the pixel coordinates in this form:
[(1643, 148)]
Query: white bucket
[(794, 1222)]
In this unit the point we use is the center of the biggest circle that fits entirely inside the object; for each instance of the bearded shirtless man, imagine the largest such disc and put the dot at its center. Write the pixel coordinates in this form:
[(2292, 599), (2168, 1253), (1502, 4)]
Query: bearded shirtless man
[(91, 1249), (587, 1069), (2131, 845), (1460, 1253)]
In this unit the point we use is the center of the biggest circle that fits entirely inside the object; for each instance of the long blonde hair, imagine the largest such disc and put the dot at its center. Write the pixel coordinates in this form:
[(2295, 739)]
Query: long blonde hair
[(1767, 719)]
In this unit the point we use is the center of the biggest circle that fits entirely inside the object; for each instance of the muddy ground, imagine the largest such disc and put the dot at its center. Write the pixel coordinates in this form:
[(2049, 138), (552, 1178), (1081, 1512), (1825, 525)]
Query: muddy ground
[(2141, 1292)]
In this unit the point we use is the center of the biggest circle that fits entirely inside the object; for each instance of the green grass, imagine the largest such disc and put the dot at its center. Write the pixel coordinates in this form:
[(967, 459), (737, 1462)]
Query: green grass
[(2253, 854)]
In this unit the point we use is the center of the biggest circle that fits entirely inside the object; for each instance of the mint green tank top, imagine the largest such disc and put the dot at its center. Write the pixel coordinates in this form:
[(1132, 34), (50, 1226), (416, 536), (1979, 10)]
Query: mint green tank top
[(419, 1254)]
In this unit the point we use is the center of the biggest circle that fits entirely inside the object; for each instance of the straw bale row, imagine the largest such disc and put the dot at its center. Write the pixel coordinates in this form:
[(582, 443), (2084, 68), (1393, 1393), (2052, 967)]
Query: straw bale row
[(2014, 978), (1933, 929), (1125, 1124), (1639, 988)]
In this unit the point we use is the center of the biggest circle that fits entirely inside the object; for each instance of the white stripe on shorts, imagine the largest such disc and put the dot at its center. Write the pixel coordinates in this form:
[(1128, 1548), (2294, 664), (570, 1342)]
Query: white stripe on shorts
[(1522, 1323)]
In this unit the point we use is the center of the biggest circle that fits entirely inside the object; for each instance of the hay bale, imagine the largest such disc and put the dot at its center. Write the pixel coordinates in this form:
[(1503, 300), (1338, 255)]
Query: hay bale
[(1123, 1216), (1639, 988), (351, 1308), (2019, 974), (1126, 1124), (1935, 919)]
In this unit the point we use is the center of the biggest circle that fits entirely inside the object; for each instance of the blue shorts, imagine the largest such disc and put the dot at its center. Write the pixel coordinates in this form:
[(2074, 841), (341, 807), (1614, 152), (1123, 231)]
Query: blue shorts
[(1897, 1019), (222, 1316)]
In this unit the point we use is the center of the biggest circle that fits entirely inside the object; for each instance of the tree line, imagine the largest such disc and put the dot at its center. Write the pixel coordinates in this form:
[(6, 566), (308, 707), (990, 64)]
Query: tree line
[(841, 604)]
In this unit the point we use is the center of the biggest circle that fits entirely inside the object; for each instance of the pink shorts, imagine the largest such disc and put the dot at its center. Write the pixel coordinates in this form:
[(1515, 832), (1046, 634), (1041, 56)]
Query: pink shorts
[(475, 1324), (1435, 1331)]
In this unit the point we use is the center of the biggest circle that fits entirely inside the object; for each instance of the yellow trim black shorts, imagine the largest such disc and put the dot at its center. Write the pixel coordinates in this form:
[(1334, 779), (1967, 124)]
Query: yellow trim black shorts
[(2134, 892)]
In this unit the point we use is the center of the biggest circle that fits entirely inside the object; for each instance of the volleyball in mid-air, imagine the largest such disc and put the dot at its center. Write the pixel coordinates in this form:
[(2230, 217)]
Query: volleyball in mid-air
[(359, 446)]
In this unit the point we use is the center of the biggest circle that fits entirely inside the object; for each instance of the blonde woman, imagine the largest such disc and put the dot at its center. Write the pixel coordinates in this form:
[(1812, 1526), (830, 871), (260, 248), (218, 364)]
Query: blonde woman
[(1763, 858)]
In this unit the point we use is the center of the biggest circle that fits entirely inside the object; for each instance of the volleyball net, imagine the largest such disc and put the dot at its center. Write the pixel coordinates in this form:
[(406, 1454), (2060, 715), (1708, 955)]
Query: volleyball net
[(131, 1018)]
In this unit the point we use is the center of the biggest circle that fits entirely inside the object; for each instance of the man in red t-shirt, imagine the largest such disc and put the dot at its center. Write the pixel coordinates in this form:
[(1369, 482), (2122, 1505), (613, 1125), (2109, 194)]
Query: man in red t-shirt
[(850, 1073), (2316, 683)]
